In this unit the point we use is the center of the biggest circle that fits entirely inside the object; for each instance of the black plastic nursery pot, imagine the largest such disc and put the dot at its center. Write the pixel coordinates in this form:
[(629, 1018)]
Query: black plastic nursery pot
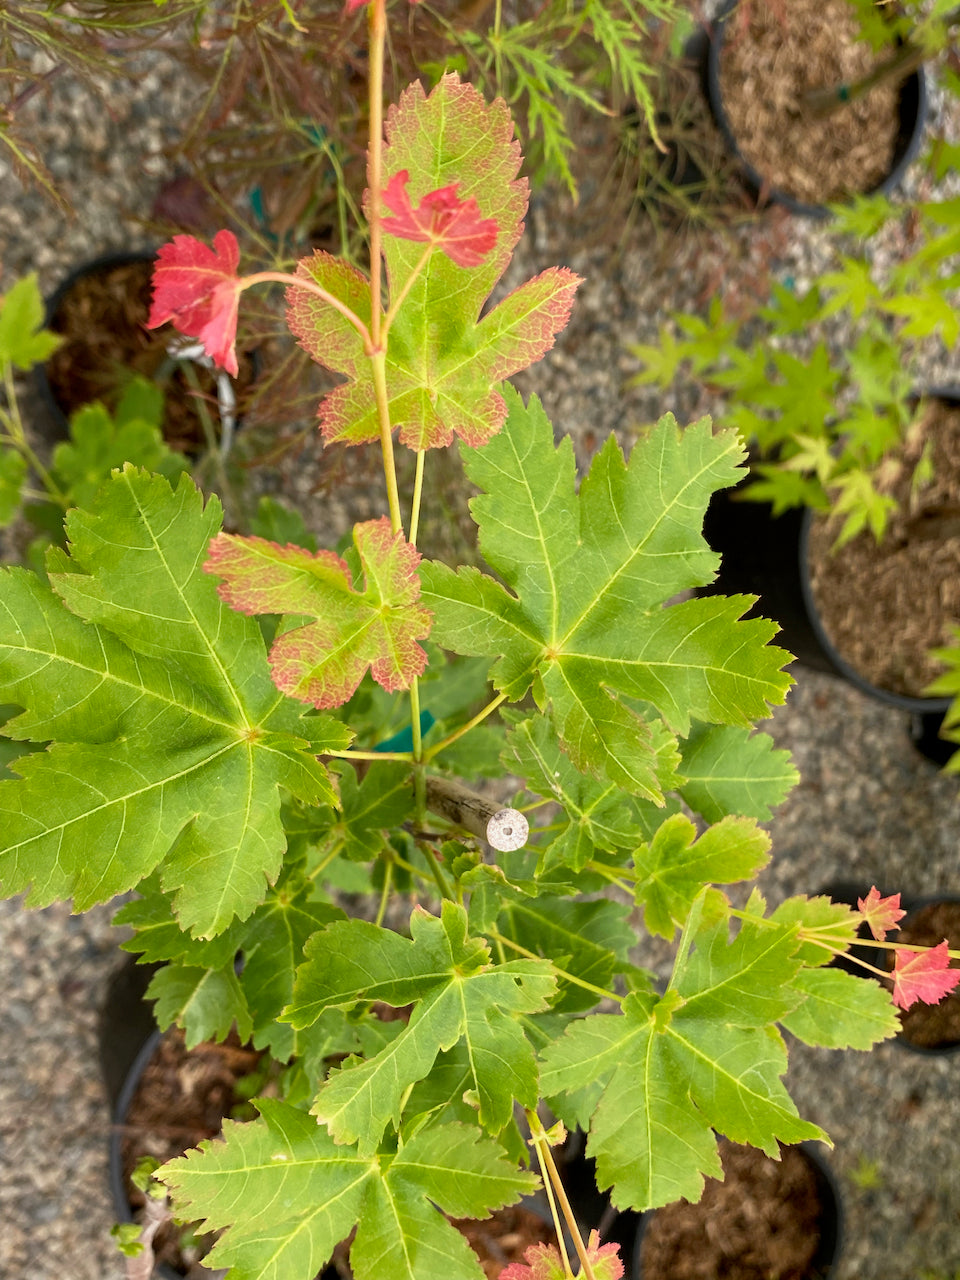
[(101, 310), (768, 556), (912, 113), (767, 1218)]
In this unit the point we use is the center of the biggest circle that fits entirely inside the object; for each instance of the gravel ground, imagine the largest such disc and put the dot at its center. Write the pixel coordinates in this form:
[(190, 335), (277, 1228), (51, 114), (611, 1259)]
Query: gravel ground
[(867, 808)]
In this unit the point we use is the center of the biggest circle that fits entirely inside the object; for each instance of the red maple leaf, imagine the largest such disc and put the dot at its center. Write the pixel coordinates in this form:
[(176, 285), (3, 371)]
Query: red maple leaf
[(196, 288), (543, 1262), (923, 975), (352, 628), (881, 914), (442, 219)]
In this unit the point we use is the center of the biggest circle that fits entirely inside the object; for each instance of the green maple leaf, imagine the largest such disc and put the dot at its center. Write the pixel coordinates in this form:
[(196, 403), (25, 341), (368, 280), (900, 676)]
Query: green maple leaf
[(599, 814), (703, 1057), (23, 340), (458, 994), (204, 1002), (726, 769), (170, 740), (285, 1194), (589, 624), (674, 867), (350, 628), (443, 360)]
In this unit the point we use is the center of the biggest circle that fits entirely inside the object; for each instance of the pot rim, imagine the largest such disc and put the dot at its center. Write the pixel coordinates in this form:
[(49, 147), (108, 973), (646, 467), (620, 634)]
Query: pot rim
[(755, 180)]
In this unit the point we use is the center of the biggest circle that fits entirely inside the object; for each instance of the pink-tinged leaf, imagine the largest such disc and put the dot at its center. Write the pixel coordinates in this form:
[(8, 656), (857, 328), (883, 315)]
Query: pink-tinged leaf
[(881, 914), (923, 975), (197, 288), (441, 219), (543, 1262), (444, 364), (353, 627)]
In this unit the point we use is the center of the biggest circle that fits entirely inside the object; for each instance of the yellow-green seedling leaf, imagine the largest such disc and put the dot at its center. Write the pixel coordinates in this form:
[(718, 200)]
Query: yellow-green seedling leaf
[(13, 473), (674, 867), (585, 616), (817, 917), (729, 770), (23, 340), (352, 625), (675, 1070), (284, 1194), (841, 1010), (457, 993), (444, 362), (170, 741)]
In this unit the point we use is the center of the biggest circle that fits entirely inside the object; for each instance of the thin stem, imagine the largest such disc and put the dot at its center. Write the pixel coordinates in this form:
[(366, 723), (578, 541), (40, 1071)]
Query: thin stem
[(311, 286), (569, 977), (437, 872), (378, 31), (378, 365), (552, 1201), (369, 755), (18, 438), (417, 499), (325, 862), (464, 728), (419, 781), (548, 1164), (385, 893)]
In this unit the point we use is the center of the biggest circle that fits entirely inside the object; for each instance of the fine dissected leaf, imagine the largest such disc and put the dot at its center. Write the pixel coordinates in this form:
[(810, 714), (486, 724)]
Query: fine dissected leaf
[(287, 1194), (23, 340), (458, 994), (923, 975), (170, 739), (727, 769), (589, 624), (674, 867), (352, 628), (705, 1056), (443, 360)]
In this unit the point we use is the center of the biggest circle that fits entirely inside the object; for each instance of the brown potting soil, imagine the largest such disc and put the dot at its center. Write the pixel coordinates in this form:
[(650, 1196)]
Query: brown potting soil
[(761, 1223), (884, 606), (102, 318), (775, 51), (932, 1025)]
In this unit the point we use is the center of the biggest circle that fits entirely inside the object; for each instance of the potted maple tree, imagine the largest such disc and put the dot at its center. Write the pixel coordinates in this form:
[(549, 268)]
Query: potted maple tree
[(822, 100), (238, 730)]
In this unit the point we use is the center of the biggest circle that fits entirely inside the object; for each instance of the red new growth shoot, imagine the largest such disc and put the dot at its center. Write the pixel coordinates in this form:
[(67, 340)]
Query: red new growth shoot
[(543, 1262), (442, 219), (881, 914), (196, 288), (923, 975)]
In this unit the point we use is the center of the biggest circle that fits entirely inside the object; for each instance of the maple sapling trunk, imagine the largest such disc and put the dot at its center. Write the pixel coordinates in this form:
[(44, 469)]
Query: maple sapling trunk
[(503, 829)]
